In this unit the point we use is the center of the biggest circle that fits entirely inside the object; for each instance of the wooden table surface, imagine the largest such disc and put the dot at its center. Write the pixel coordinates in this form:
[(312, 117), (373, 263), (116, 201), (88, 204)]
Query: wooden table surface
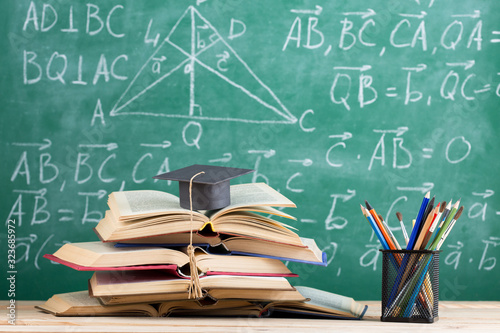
[(466, 316)]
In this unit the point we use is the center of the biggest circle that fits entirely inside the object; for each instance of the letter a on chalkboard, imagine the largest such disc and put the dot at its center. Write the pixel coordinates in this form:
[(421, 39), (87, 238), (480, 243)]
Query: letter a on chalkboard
[(194, 73)]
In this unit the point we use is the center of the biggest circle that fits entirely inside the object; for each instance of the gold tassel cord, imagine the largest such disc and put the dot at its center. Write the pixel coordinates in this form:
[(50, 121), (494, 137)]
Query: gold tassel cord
[(194, 283)]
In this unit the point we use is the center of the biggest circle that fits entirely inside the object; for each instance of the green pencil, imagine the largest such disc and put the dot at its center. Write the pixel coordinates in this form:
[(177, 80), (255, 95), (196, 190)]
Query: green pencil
[(446, 223), (447, 232)]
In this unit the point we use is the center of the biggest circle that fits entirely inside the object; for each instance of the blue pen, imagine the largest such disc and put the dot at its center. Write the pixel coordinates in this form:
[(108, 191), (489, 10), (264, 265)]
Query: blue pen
[(416, 227)]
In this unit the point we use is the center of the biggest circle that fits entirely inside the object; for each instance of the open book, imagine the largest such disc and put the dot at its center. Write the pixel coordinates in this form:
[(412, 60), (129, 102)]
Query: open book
[(121, 283), (240, 227), (81, 304), (308, 253), (95, 256), (318, 304), (136, 214)]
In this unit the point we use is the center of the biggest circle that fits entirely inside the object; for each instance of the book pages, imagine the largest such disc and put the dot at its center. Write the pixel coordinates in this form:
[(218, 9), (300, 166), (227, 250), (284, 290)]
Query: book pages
[(254, 194), (147, 202)]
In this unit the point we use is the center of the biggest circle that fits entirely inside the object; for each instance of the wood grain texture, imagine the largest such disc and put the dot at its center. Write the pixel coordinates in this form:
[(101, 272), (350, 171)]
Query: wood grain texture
[(465, 316)]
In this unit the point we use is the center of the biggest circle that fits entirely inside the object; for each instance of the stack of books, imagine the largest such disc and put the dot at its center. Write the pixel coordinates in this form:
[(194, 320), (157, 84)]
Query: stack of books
[(142, 266)]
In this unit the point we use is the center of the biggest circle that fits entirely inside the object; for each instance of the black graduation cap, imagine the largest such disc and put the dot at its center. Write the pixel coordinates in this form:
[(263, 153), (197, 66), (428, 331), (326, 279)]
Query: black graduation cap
[(210, 190)]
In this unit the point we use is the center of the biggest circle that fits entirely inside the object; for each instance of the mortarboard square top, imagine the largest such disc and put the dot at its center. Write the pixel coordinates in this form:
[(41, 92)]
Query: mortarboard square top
[(210, 190)]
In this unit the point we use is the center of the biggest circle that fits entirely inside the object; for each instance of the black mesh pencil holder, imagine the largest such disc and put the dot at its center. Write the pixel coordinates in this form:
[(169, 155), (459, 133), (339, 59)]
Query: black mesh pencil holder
[(410, 286)]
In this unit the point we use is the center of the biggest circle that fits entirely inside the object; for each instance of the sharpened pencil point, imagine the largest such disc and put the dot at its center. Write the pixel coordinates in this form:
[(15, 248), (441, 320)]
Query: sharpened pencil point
[(428, 195), (362, 209), (368, 206)]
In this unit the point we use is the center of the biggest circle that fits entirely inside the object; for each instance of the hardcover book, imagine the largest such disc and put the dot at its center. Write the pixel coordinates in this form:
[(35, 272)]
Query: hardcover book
[(98, 256)]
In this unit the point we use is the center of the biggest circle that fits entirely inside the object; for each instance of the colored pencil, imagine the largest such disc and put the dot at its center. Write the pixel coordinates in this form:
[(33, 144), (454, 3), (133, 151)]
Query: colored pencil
[(389, 231), (447, 232), (416, 227), (396, 261), (434, 224), (387, 238), (430, 218), (444, 227), (443, 219), (428, 210), (375, 228)]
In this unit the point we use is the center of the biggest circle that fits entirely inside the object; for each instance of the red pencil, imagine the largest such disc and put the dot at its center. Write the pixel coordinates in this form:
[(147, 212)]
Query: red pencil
[(434, 223), (425, 228)]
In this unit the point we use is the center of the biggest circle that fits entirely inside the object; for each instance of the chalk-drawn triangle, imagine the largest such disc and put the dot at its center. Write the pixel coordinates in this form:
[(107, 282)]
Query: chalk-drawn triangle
[(165, 60), (201, 49)]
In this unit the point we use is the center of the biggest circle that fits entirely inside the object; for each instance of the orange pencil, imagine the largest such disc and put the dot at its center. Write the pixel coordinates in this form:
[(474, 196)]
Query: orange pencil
[(388, 239), (425, 229), (434, 223), (389, 232)]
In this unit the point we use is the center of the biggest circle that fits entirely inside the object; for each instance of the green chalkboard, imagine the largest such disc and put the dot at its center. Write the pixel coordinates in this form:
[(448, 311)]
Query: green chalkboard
[(332, 103)]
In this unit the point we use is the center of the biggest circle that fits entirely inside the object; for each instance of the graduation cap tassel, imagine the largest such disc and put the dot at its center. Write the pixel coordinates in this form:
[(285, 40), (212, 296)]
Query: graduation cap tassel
[(194, 285)]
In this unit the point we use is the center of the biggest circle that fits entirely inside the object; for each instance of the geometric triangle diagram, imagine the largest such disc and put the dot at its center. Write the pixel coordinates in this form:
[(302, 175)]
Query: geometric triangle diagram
[(194, 73)]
